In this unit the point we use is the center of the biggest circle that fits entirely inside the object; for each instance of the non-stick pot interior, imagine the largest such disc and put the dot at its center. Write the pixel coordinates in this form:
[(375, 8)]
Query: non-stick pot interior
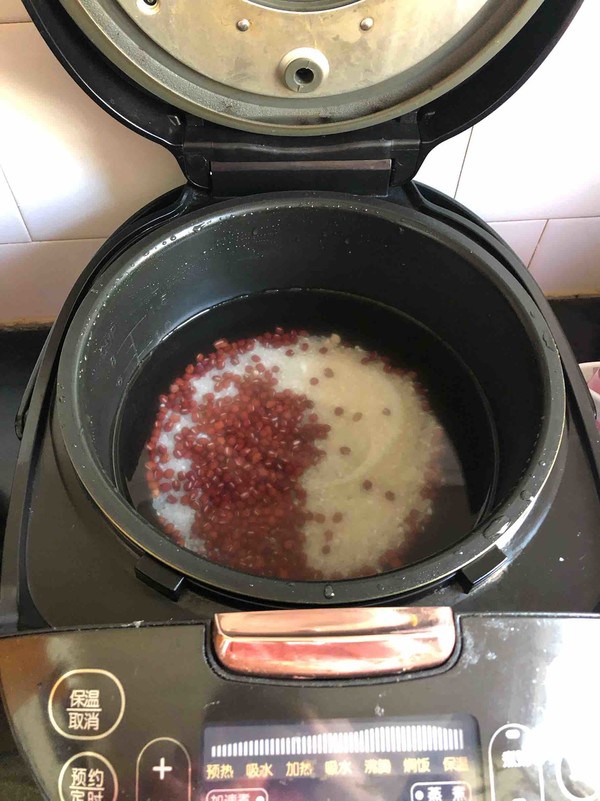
[(391, 282)]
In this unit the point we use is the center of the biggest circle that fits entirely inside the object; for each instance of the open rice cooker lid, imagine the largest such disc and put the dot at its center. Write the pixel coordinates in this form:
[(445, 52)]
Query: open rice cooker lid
[(308, 67)]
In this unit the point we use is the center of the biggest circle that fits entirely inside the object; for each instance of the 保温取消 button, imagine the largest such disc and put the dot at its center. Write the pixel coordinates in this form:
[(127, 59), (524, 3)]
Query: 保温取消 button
[(86, 704)]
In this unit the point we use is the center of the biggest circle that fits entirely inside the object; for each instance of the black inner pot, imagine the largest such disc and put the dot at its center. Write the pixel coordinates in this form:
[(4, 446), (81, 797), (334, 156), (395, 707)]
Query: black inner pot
[(381, 275)]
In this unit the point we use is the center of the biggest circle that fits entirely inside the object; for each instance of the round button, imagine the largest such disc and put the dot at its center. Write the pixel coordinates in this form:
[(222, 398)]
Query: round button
[(86, 704), (164, 771), (577, 778), (88, 776)]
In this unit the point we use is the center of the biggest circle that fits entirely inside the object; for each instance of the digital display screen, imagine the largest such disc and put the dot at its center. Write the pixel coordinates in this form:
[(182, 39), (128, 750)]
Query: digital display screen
[(381, 759)]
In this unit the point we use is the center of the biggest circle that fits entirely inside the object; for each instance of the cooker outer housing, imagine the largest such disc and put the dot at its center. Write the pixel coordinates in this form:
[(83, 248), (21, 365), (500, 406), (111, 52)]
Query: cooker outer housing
[(199, 145)]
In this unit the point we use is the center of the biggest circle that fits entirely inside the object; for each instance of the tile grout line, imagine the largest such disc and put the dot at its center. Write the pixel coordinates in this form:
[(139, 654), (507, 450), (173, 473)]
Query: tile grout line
[(54, 241), (98, 239), (537, 244), (12, 194), (462, 166), (544, 219), (531, 220)]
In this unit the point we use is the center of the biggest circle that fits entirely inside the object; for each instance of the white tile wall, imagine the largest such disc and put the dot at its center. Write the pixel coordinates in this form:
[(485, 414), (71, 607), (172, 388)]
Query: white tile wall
[(443, 166), (537, 156), (75, 172), (522, 235), (69, 174), (567, 260), (37, 276), (12, 11), (12, 227)]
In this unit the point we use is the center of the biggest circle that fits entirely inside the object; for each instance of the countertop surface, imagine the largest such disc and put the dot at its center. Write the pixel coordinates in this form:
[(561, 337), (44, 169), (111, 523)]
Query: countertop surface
[(19, 350)]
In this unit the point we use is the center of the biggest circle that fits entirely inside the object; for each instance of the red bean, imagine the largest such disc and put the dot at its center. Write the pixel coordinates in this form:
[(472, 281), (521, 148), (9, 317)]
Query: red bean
[(243, 471), (247, 453)]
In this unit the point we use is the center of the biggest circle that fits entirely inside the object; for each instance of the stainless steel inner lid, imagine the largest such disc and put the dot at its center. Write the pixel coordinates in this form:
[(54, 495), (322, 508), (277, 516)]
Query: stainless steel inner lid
[(298, 67)]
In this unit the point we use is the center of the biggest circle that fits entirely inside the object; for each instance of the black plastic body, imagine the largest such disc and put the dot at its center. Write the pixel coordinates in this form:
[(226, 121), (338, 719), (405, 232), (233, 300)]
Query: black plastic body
[(532, 676), (59, 545)]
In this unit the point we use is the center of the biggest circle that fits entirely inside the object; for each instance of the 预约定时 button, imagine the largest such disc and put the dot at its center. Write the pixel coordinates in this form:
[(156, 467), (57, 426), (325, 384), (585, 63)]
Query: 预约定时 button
[(88, 777), (86, 704)]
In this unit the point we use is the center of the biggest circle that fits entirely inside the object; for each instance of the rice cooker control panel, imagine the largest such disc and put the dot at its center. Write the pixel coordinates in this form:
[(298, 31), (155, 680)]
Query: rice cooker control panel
[(155, 713)]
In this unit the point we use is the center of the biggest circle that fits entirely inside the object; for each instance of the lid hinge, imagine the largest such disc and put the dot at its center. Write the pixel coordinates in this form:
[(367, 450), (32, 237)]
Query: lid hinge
[(229, 163)]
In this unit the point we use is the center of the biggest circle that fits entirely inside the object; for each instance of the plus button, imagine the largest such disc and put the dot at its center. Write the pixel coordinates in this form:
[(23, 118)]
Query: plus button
[(162, 768)]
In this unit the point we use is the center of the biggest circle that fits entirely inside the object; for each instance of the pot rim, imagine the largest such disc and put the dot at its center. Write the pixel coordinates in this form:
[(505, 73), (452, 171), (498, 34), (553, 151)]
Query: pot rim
[(499, 529)]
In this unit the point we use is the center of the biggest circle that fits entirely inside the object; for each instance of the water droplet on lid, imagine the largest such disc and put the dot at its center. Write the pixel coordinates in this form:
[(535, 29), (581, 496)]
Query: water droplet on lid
[(542, 463), (526, 495), (173, 238), (548, 341), (328, 591), (497, 527)]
